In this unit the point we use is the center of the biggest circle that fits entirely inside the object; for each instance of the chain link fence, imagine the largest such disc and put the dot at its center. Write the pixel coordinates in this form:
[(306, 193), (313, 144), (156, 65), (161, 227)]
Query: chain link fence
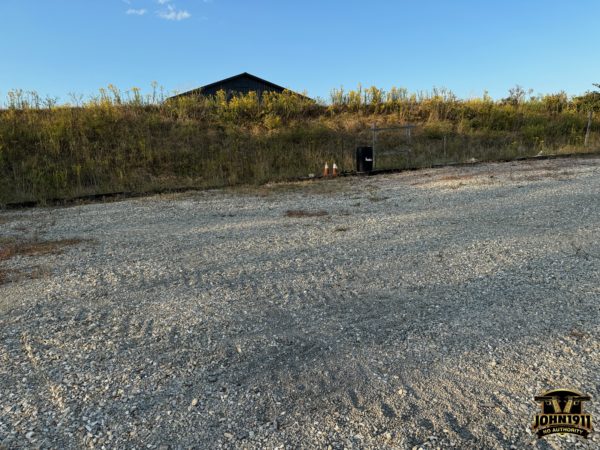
[(414, 146)]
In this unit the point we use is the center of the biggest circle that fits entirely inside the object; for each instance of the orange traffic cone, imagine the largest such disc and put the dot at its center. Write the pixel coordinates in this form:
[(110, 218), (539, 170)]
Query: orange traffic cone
[(334, 170), (326, 170)]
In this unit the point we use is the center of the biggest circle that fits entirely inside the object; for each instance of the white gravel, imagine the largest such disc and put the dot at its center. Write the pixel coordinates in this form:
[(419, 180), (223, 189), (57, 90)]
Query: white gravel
[(426, 310)]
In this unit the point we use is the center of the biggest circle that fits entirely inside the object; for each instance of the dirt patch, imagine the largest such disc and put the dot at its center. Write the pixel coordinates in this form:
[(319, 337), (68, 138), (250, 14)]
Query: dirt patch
[(542, 175), (341, 229), (7, 218), (496, 174), (31, 273), (376, 198), (457, 177), (443, 179), (316, 187), (12, 247), (305, 213)]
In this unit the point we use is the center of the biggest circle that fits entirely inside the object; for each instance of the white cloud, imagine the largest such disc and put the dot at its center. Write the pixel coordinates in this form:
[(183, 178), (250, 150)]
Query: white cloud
[(168, 10), (136, 12), (171, 13)]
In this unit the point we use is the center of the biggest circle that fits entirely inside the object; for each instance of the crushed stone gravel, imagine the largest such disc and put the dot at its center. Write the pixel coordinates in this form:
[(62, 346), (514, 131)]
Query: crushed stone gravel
[(424, 310)]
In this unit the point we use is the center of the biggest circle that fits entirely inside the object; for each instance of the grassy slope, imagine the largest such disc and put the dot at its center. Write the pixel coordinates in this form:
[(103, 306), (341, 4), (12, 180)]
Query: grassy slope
[(112, 145)]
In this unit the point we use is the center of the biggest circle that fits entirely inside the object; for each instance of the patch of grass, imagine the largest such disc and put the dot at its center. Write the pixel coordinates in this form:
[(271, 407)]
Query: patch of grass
[(305, 213)]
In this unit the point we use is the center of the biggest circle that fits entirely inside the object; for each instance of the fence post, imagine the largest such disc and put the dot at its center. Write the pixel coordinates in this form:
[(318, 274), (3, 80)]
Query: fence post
[(445, 155), (374, 131), (587, 131)]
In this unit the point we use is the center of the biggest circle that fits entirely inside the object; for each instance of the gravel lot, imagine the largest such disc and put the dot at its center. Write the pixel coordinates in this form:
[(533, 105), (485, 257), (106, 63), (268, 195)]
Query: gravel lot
[(426, 309)]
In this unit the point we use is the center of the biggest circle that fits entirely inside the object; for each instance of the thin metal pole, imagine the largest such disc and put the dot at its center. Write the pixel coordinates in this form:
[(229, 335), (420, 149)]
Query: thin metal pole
[(374, 131), (445, 156), (587, 131)]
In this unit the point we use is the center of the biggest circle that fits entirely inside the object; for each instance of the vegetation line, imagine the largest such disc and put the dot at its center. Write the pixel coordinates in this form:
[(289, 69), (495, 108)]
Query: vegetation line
[(129, 143)]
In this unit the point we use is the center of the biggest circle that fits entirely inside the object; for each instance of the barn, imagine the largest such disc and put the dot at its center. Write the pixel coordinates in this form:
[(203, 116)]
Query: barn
[(238, 84)]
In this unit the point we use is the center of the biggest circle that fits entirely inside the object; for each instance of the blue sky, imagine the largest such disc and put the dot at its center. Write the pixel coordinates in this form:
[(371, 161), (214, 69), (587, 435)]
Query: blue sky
[(61, 46)]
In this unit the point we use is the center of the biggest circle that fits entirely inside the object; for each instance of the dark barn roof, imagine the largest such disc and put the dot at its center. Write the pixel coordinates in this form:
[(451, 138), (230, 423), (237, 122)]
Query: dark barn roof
[(238, 84)]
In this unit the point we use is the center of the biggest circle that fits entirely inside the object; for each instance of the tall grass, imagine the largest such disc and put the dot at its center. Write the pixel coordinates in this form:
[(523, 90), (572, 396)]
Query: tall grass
[(127, 141)]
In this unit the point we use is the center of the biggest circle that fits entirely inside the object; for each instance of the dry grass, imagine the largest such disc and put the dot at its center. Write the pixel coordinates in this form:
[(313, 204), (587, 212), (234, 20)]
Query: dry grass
[(147, 145), (304, 213), (11, 247)]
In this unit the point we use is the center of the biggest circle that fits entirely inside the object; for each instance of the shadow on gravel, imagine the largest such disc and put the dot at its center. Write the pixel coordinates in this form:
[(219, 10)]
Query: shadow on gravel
[(350, 359), (376, 360)]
